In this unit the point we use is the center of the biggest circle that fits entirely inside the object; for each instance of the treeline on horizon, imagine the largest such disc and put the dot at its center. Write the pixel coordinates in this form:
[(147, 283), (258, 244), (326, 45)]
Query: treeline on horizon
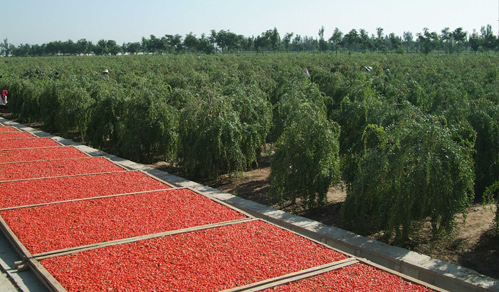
[(426, 42)]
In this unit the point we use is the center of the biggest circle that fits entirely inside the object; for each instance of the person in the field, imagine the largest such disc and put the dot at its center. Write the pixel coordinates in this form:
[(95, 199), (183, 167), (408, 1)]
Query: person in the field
[(3, 100)]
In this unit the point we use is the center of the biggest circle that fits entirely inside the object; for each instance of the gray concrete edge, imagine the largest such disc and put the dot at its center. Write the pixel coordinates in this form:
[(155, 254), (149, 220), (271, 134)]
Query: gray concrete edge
[(432, 271), (25, 281)]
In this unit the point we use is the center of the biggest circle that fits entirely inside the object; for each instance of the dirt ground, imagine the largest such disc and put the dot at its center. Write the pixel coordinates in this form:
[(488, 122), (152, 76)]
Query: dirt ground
[(472, 244)]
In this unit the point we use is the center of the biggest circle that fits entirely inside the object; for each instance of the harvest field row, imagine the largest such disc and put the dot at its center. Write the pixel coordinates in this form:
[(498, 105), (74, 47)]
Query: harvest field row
[(33, 154), (14, 135), (27, 143), (46, 190), (107, 228), (86, 222), (8, 130), (209, 260), (51, 168), (413, 137)]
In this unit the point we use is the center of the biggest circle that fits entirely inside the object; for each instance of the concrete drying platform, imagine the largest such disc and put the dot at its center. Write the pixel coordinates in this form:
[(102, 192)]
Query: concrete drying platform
[(434, 272)]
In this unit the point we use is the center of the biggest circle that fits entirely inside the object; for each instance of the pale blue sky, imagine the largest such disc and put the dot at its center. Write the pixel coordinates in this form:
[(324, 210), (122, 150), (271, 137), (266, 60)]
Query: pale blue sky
[(38, 21)]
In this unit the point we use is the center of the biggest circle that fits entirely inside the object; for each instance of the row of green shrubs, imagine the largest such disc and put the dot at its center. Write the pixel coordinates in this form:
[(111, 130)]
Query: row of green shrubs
[(415, 138)]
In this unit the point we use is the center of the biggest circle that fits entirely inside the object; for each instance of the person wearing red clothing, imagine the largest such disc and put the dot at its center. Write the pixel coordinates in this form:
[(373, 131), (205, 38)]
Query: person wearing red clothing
[(3, 100)]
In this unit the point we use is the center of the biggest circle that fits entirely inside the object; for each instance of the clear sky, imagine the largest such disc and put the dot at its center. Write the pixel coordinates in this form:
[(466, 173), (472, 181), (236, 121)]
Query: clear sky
[(42, 21)]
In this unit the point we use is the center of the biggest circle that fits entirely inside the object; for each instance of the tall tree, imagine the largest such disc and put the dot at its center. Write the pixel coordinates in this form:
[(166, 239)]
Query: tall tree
[(156, 45), (297, 43), (459, 37), (275, 39), (336, 39), (205, 45), (262, 42), (173, 42), (101, 48), (395, 42), (213, 38), (352, 40), (447, 39), (287, 40), (408, 40), (23, 50), (427, 40), (82, 46), (365, 41), (69, 48), (112, 47), (6, 48), (226, 40), (322, 43), (488, 38), (37, 50), (475, 41), (191, 43), (245, 43), (132, 48), (54, 48), (379, 39), (144, 45)]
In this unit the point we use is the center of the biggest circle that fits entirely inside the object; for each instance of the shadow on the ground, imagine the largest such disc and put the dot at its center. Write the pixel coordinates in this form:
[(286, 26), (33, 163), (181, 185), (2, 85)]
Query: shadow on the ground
[(256, 191), (328, 214), (484, 256)]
